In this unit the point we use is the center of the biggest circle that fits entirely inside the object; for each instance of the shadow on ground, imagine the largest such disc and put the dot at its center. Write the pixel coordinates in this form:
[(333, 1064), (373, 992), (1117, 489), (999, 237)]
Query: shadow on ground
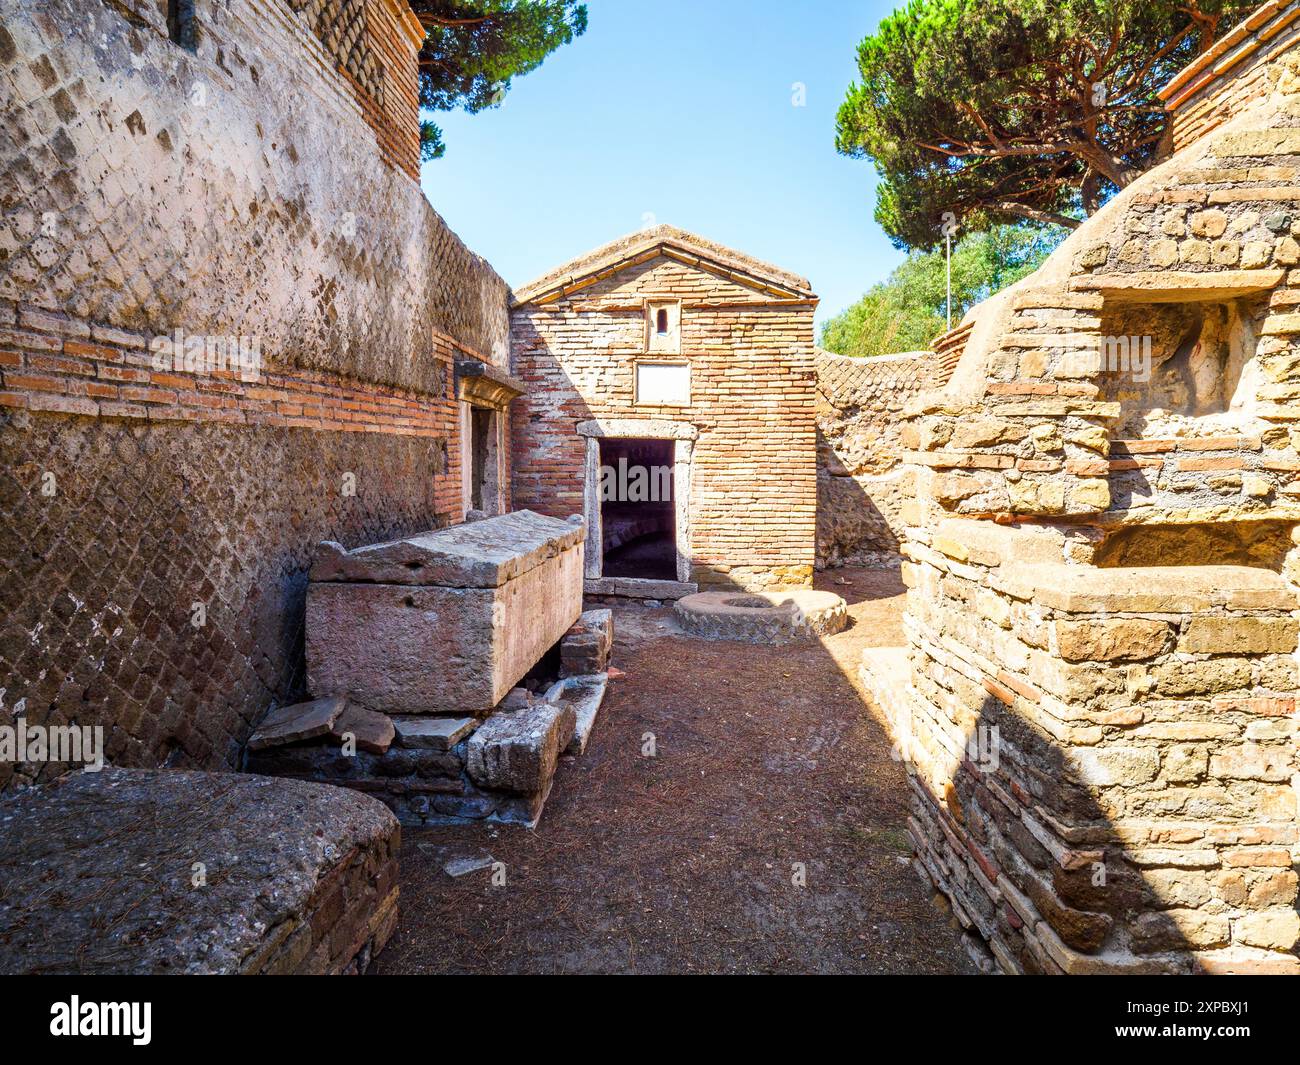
[(766, 759)]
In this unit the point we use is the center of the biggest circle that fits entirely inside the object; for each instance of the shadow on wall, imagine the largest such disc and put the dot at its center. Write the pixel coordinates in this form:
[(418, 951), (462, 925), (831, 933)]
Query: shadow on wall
[(851, 528), (1087, 893)]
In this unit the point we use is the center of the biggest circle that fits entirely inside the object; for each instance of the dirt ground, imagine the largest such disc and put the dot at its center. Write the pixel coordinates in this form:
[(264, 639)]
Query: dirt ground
[(765, 763)]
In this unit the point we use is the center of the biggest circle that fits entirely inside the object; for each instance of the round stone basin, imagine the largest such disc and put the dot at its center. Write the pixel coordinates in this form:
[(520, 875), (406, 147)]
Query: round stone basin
[(762, 617)]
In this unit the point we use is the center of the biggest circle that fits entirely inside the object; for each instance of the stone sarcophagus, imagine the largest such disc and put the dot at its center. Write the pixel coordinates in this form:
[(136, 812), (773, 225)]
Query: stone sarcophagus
[(444, 622)]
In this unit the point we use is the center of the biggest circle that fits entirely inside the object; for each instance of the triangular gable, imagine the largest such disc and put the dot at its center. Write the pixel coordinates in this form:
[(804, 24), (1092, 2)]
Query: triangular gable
[(669, 242)]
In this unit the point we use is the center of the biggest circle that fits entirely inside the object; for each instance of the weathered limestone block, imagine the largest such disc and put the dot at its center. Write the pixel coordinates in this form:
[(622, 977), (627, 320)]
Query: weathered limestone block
[(586, 647), (298, 877), (369, 731), (1275, 929), (584, 694), (1241, 635), (518, 751), (444, 622), (1103, 766), (1119, 640)]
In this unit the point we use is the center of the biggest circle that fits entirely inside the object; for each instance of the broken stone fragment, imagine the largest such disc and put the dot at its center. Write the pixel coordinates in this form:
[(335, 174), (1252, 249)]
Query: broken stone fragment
[(585, 648), (372, 731), (469, 863), (433, 733), (516, 699), (518, 752), (302, 721), (585, 695)]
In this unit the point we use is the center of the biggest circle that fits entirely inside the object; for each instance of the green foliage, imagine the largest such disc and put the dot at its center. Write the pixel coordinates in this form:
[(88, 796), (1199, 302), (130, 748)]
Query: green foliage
[(906, 310), (474, 49), (1005, 110)]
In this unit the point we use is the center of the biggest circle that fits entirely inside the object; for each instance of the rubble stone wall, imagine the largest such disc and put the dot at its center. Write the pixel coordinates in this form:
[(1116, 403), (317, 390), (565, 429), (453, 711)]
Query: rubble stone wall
[(1098, 698), (862, 482), (1101, 767), (754, 478), (157, 521)]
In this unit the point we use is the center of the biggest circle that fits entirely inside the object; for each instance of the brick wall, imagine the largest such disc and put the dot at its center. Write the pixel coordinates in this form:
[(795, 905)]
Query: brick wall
[(1242, 68), (753, 496), (156, 524), (1101, 760)]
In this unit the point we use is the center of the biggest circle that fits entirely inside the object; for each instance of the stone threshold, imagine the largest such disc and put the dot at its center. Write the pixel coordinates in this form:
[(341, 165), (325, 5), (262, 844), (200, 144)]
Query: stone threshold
[(638, 588)]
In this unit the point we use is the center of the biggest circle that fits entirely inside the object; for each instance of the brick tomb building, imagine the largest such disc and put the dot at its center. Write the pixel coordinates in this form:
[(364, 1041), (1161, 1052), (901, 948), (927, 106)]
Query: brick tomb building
[(670, 393)]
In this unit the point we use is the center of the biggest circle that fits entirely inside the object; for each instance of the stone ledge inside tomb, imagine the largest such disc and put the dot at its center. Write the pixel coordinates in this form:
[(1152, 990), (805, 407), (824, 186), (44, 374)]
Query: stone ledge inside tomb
[(1179, 286), (1148, 589), (169, 871)]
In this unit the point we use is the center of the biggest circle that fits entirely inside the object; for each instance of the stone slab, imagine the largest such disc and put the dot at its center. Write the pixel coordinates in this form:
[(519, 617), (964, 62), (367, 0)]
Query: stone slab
[(301, 721), (373, 732), (480, 554), (433, 733), (98, 873), (518, 752), (1149, 589), (638, 588), (584, 694), (466, 864), (1175, 286)]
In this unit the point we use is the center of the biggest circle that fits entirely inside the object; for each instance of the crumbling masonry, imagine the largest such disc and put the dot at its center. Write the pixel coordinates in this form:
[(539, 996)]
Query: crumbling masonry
[(1098, 699)]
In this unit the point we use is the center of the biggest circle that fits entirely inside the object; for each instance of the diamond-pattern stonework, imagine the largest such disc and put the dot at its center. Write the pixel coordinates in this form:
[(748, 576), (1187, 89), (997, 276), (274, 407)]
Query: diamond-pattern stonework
[(236, 190), (340, 25), (98, 581)]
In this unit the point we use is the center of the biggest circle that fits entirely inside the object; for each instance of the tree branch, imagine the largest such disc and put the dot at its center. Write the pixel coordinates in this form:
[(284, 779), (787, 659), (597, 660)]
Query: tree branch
[(1020, 210)]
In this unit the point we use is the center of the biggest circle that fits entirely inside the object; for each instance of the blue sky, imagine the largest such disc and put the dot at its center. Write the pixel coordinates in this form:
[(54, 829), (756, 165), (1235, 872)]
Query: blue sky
[(682, 111)]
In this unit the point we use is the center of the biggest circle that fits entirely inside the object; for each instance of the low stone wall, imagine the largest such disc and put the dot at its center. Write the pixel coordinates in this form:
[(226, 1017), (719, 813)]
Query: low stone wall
[(174, 872), (437, 770), (861, 482)]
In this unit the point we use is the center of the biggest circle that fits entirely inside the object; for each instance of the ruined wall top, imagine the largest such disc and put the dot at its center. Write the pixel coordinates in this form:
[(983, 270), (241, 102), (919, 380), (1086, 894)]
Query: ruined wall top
[(1242, 67), (1149, 372), (255, 178)]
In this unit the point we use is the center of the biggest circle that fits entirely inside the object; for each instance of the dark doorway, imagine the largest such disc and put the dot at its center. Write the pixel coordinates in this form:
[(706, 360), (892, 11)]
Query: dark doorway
[(483, 489), (636, 509)]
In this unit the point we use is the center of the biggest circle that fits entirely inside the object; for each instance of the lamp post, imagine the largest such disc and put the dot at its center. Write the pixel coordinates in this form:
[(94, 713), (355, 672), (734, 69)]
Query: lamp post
[(948, 241), (948, 228)]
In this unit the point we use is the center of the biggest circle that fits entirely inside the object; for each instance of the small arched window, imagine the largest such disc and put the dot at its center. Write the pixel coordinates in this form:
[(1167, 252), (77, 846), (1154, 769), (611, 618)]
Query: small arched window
[(662, 326)]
